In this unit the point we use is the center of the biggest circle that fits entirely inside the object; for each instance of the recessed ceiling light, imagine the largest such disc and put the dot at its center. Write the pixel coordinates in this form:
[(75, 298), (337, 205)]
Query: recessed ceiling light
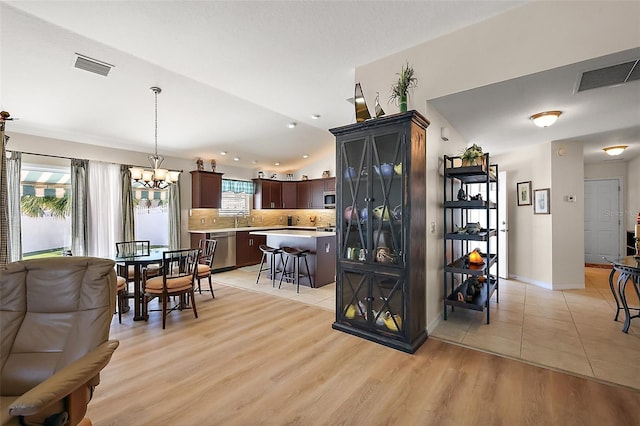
[(254, 162), (615, 150), (546, 118), (236, 158), (305, 156), (277, 163), (292, 125), (223, 152), (315, 116)]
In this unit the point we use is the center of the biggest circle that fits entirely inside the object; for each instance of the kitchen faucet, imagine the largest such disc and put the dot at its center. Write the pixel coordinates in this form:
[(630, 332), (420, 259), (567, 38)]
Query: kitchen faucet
[(235, 222)]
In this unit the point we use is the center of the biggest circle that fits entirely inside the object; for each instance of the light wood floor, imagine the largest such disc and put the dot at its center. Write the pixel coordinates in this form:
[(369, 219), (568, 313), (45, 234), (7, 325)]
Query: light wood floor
[(254, 359)]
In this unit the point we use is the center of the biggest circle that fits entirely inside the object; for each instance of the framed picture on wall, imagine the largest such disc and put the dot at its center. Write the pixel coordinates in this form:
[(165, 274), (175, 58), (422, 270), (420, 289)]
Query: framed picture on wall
[(541, 201), (524, 193)]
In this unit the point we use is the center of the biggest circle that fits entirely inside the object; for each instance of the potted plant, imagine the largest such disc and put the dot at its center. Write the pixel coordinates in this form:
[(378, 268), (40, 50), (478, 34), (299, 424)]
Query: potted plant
[(472, 156), (399, 91)]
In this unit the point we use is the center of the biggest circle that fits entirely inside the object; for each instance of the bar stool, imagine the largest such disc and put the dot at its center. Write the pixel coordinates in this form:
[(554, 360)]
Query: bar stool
[(269, 254), (296, 255)]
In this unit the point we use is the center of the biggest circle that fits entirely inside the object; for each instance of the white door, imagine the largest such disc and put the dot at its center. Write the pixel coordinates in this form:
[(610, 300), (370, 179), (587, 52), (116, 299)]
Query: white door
[(503, 226), (601, 219)]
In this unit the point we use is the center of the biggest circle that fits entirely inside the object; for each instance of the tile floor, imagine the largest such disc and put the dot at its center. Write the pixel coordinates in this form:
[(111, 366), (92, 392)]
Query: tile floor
[(571, 330)]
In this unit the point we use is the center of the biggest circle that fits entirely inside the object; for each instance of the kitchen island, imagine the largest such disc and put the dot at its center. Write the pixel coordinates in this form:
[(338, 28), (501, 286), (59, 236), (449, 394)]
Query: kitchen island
[(321, 245)]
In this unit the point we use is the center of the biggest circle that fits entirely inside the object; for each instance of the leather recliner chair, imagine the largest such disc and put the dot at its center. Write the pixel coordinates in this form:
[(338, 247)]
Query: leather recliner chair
[(55, 315)]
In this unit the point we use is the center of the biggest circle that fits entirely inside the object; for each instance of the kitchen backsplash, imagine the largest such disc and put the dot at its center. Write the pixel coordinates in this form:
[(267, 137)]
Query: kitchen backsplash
[(205, 219)]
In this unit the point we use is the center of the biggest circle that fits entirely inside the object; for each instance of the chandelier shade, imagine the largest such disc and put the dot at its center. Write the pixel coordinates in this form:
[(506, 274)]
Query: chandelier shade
[(157, 177)]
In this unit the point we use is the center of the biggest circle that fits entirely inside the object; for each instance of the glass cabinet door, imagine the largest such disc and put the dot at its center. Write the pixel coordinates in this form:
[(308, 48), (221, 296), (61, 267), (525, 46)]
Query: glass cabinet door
[(373, 199), (373, 300)]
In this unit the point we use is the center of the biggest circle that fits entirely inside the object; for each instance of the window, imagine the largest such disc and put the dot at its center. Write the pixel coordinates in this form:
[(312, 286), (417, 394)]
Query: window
[(151, 215), (45, 195), (237, 197)]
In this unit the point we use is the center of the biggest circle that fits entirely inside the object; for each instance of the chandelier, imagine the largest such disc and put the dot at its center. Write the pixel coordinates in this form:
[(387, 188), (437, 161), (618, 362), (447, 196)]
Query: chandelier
[(156, 178)]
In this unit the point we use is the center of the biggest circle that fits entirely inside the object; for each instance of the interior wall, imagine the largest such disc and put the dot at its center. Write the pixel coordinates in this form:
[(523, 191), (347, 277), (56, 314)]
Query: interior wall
[(567, 179), (436, 149), (530, 236), (632, 211)]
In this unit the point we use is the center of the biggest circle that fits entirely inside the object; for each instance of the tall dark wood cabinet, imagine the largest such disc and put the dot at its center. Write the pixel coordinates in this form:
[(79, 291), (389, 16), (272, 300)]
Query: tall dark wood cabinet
[(381, 214), (206, 189)]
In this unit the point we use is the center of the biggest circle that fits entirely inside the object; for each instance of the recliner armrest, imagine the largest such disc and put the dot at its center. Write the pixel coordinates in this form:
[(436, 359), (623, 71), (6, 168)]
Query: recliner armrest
[(65, 381)]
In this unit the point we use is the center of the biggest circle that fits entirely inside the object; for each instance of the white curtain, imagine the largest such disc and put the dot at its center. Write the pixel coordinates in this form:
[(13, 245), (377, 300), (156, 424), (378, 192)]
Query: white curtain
[(104, 209)]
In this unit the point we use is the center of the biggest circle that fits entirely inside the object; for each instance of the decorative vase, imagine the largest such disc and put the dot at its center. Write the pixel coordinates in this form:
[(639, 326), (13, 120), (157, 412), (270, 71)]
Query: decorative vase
[(403, 103)]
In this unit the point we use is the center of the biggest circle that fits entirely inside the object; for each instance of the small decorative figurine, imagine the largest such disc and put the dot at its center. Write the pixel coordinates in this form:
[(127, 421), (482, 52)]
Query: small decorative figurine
[(326, 174), (213, 165), (200, 164), (462, 196), (477, 197), (260, 175)]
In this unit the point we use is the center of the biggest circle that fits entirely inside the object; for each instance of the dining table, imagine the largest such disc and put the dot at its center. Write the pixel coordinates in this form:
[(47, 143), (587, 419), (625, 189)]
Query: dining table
[(628, 270), (138, 262)]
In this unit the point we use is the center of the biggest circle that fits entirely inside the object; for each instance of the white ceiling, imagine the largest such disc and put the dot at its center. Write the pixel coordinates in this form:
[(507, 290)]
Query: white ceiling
[(496, 115), (234, 74)]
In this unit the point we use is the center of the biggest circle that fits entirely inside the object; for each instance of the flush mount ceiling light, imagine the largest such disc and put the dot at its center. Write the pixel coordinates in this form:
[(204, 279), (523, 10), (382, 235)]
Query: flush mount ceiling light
[(305, 156), (236, 158), (157, 177), (223, 152), (292, 125), (546, 118), (277, 163), (615, 150), (315, 116)]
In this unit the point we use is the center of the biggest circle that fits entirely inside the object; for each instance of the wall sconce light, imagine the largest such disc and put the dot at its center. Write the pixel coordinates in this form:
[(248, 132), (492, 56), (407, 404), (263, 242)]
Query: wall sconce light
[(615, 150), (546, 118)]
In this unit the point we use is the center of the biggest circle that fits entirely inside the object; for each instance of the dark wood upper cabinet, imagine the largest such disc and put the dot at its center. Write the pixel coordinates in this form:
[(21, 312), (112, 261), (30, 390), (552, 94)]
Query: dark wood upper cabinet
[(206, 189), (289, 195), (268, 194)]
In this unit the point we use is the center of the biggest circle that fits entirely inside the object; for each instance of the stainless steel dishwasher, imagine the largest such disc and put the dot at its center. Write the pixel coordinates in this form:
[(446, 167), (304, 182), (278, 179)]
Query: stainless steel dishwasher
[(225, 256)]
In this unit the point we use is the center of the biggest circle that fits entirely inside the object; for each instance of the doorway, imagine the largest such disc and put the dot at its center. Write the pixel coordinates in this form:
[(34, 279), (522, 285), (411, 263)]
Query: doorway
[(601, 220)]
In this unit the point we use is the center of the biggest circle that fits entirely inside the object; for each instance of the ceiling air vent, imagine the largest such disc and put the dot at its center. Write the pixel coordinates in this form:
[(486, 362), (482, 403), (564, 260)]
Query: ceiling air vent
[(610, 76), (92, 65)]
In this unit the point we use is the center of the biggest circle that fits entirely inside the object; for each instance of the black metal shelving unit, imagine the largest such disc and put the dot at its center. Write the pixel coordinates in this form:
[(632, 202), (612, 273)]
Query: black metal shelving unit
[(459, 273)]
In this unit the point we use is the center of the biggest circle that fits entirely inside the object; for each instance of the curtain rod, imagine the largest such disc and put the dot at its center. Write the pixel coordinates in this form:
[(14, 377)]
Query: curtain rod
[(48, 155), (84, 159)]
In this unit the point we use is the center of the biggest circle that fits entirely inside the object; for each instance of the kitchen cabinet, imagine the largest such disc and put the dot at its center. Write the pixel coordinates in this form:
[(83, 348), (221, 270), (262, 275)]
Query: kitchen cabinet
[(330, 184), (268, 194), (289, 195), (470, 225), (311, 194), (206, 189), (381, 214), (248, 248)]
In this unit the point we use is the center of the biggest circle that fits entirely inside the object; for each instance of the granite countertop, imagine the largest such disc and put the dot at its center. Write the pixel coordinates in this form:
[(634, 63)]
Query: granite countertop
[(300, 233), (251, 228)]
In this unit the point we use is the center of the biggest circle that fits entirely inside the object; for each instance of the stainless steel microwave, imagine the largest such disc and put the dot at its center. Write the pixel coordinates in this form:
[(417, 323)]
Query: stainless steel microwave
[(329, 199)]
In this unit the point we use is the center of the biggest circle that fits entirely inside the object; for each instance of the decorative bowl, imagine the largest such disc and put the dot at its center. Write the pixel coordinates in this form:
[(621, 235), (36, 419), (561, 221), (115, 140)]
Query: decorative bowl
[(385, 169), (350, 173), (381, 212), (397, 212), (350, 214)]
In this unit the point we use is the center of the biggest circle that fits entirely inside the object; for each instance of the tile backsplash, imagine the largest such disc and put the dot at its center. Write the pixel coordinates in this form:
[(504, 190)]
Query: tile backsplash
[(205, 219)]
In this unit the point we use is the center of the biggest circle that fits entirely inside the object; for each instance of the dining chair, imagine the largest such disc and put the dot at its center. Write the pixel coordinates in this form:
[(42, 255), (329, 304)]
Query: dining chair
[(207, 252), (132, 249), (177, 278)]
